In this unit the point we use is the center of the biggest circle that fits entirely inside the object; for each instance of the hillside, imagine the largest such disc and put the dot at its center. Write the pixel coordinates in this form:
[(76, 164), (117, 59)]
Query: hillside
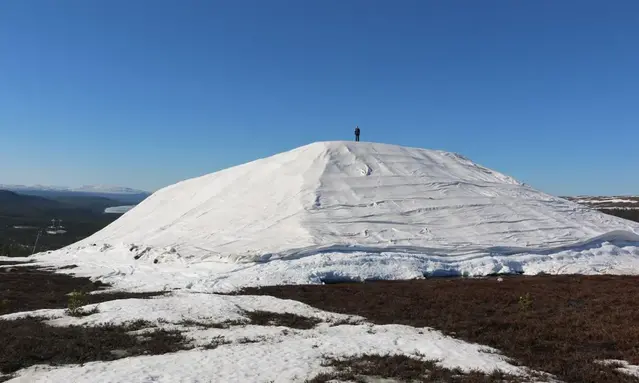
[(608, 202), (626, 207), (122, 194), (14, 204), (24, 205), (93, 203), (345, 210), (23, 216), (102, 189)]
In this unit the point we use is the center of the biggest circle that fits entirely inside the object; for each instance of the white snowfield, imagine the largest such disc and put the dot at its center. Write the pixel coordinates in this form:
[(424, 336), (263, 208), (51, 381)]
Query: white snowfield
[(349, 211)]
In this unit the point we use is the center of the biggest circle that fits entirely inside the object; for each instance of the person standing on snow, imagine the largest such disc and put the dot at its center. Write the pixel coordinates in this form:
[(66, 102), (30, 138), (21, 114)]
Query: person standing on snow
[(357, 133)]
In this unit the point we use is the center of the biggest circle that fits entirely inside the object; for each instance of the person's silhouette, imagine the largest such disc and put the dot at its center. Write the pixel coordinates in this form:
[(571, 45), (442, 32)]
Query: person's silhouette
[(357, 133)]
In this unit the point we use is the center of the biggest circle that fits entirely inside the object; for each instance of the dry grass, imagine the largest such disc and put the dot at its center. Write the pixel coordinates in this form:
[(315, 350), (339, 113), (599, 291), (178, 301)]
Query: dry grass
[(267, 318), (29, 341), (404, 369), (257, 318), (206, 323), (30, 288), (556, 324)]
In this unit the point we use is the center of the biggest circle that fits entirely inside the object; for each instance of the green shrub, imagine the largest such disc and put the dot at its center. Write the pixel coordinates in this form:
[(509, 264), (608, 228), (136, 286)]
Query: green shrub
[(525, 302), (78, 299), (4, 304)]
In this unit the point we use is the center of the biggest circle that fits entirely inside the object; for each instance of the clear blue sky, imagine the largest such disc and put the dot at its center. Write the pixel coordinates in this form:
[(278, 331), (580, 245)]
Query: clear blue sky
[(145, 93)]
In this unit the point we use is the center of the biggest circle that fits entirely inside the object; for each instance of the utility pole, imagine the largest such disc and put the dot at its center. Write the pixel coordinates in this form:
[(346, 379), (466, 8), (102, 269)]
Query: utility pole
[(36, 242)]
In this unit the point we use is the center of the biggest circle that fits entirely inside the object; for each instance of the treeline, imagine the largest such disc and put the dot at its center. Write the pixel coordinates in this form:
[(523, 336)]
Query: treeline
[(22, 217), (18, 235), (12, 249)]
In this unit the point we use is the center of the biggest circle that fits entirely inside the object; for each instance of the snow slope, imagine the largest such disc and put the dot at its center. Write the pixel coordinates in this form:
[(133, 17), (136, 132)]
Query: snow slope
[(361, 195), (334, 210)]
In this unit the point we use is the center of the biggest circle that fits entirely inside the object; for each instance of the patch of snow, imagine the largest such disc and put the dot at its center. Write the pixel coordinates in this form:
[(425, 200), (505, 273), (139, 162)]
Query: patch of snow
[(625, 368), (274, 353), (181, 306), (614, 200), (611, 200), (16, 259), (291, 359), (118, 209)]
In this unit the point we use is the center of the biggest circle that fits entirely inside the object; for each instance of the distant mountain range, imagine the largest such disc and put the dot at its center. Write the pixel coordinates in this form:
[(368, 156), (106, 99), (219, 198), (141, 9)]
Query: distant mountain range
[(24, 205), (123, 195), (102, 189)]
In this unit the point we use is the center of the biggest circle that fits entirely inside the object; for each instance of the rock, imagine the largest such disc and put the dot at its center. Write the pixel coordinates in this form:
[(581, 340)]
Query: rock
[(119, 353)]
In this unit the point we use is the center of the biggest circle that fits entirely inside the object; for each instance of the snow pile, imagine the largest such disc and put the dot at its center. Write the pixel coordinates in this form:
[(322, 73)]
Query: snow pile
[(346, 210)]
